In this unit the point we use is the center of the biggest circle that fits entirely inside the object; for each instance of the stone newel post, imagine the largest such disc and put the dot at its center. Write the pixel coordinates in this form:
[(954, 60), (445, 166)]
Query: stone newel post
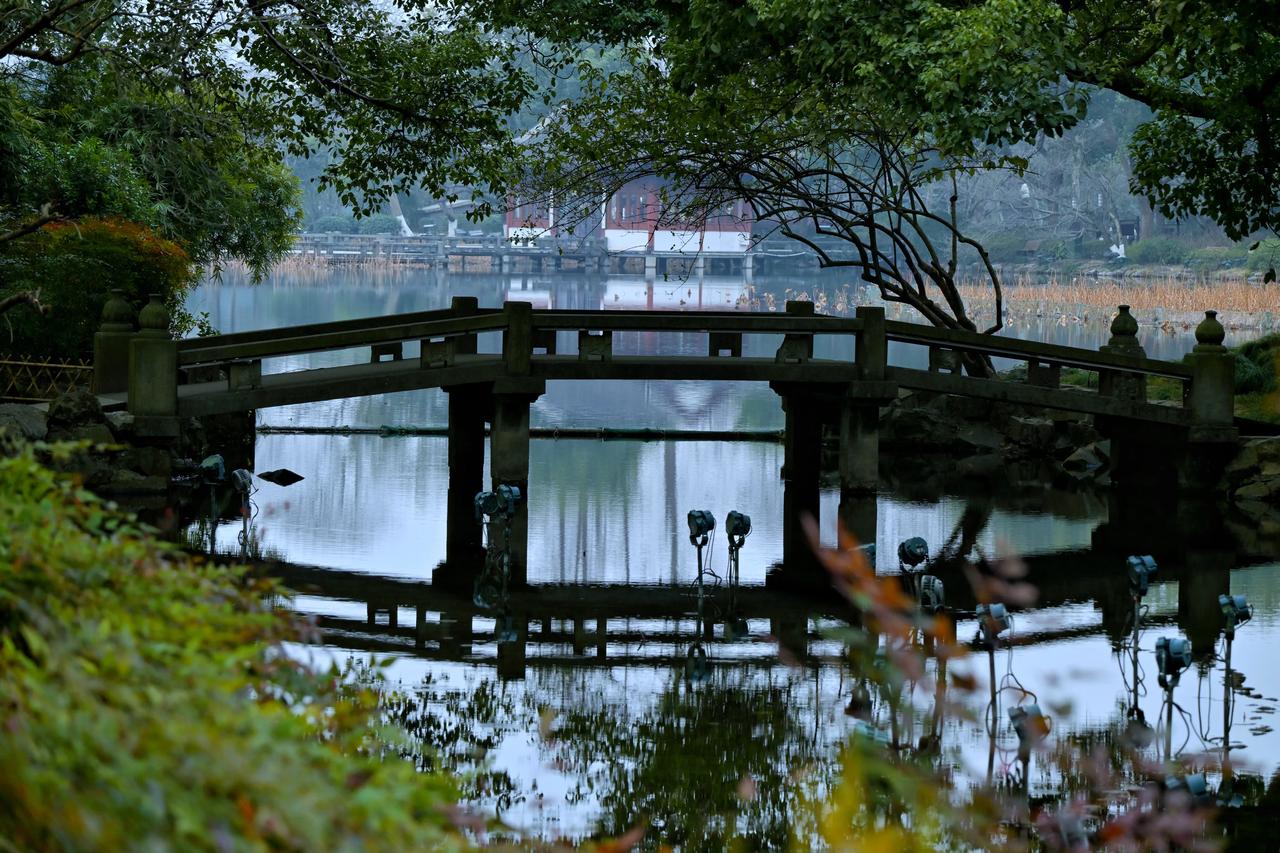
[(111, 345), (1213, 383), (1124, 341), (153, 373)]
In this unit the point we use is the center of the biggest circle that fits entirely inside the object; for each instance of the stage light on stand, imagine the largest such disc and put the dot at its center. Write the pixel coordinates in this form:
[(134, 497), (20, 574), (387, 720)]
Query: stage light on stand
[(213, 468), (1173, 657), (701, 525), (912, 553), (242, 480), (1235, 612), (1031, 726), (1194, 784), (1140, 570), (500, 503), (737, 527), (496, 507), (993, 620), (933, 597)]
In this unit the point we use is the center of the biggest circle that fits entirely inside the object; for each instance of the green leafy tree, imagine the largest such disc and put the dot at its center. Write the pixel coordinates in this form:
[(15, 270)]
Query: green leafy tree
[(977, 77), (854, 183), (196, 103)]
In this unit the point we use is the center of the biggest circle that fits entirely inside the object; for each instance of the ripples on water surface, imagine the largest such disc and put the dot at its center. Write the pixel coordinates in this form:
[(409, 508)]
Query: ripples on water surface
[(584, 721)]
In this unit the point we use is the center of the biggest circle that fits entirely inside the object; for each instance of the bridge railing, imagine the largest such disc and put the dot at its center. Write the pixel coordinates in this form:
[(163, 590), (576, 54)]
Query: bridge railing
[(449, 337), (463, 318), (725, 330), (959, 340)]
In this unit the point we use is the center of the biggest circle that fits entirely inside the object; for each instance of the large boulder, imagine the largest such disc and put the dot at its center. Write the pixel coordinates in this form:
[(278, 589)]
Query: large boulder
[(978, 438), (93, 433), (23, 421), (923, 429), (1253, 475), (1088, 459), (121, 424), (1032, 433), (75, 408)]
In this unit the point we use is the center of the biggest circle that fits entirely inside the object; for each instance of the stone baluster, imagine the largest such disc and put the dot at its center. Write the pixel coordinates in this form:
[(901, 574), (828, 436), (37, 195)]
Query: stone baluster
[(111, 345), (153, 373)]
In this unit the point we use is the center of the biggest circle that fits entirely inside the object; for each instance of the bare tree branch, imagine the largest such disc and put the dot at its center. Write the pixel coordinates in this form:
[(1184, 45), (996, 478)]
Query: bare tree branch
[(24, 297), (31, 226)]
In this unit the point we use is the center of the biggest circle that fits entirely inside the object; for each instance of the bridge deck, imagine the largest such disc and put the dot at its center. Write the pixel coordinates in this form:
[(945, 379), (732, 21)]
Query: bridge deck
[(841, 377), (571, 345)]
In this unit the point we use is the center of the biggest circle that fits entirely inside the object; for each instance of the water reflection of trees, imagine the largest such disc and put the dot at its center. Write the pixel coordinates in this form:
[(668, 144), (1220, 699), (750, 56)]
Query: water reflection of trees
[(704, 765)]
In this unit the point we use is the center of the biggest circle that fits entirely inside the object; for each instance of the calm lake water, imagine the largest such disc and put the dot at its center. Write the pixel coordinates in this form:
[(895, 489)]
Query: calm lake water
[(571, 711)]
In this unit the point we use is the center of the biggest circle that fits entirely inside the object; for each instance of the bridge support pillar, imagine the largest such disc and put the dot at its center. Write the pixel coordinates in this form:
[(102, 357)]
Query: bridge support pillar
[(859, 468), (509, 459), (802, 461), (512, 655), (468, 409), (859, 446)]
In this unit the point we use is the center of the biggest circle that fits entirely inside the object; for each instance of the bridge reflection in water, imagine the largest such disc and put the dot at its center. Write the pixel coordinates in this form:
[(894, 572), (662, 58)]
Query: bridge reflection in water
[(609, 663), (610, 660)]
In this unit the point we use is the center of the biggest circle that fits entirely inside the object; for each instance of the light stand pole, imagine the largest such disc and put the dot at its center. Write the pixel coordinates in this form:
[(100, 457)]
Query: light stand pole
[(701, 525), (737, 526), (1235, 612)]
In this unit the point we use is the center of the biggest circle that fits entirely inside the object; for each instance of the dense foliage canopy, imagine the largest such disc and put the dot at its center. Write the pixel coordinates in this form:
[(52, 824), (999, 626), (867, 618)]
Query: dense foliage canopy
[(979, 73), (178, 114)]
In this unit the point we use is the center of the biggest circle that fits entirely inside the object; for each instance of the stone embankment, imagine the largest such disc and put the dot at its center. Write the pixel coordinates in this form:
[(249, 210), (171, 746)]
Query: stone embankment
[(1252, 480), (966, 439), (112, 461)]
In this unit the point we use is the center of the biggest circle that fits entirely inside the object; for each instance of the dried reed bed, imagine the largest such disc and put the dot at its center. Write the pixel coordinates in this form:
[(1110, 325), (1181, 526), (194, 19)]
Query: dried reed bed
[(310, 269), (1167, 295)]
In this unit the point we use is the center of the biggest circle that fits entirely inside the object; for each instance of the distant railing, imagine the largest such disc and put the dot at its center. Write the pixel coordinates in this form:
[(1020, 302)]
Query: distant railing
[(38, 379), (390, 246)]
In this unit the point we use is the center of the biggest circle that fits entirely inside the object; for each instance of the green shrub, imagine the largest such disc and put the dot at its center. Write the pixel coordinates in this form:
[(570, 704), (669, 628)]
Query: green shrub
[(339, 224), (1158, 250), (1218, 257), (1266, 256), (1007, 248), (379, 223), (75, 265), (1256, 365), (147, 702), (1091, 250)]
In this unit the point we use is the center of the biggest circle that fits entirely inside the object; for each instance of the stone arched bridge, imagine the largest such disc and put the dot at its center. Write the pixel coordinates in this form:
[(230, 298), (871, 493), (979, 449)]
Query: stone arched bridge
[(162, 381)]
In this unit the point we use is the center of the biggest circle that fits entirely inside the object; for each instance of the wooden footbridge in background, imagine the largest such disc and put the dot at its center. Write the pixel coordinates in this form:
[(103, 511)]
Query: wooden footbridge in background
[(162, 381)]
